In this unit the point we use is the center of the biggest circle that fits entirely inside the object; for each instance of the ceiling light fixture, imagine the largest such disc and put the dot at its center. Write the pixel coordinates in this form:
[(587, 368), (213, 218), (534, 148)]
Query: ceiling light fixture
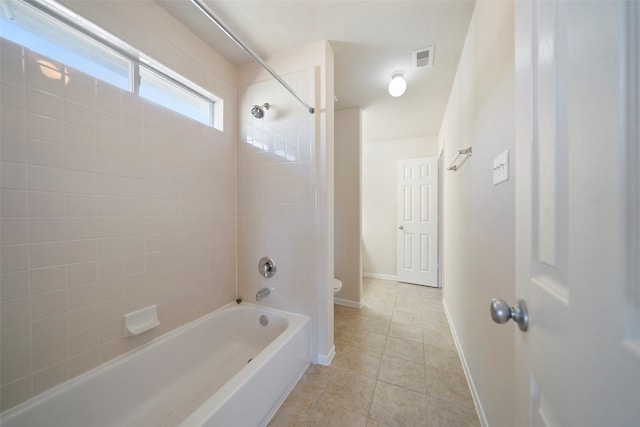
[(398, 84)]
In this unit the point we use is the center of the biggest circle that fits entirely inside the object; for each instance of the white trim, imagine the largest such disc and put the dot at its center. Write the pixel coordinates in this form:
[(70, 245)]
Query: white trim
[(474, 392), (380, 276), (632, 39), (348, 303), (441, 214), (325, 359)]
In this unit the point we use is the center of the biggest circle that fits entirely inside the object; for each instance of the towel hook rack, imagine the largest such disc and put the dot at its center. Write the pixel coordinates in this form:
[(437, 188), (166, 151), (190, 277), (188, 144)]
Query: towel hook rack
[(467, 152)]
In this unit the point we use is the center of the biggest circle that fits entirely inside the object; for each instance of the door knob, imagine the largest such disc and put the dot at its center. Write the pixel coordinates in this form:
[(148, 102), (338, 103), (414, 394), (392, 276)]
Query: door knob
[(501, 313), (400, 227)]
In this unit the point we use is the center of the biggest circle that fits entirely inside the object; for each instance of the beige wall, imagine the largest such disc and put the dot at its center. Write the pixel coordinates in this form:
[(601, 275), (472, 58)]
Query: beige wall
[(348, 212), (109, 204), (379, 224), (479, 239)]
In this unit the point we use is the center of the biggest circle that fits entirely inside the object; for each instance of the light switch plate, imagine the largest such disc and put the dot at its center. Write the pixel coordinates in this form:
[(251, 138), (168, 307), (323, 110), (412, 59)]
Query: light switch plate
[(501, 168)]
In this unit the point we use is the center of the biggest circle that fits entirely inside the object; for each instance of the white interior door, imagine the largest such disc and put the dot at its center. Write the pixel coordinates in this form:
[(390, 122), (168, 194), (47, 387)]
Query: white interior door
[(577, 215), (418, 221)]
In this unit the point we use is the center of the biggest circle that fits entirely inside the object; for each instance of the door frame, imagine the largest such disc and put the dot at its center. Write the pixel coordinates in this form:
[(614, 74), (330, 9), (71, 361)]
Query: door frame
[(441, 216)]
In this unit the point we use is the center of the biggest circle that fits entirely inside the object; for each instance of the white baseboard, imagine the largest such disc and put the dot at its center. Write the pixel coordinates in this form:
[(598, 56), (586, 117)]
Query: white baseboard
[(379, 276), (474, 392), (325, 359), (348, 303)]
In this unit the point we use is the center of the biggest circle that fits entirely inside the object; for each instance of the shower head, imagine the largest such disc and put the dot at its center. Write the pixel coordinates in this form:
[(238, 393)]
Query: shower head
[(258, 110)]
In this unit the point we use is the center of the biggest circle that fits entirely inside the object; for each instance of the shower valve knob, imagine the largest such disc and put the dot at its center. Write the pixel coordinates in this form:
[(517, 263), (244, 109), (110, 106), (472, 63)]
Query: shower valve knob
[(266, 267)]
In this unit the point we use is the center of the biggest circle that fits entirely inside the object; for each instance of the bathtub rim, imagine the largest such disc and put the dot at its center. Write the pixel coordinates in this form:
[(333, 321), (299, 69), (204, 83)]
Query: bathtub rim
[(299, 320)]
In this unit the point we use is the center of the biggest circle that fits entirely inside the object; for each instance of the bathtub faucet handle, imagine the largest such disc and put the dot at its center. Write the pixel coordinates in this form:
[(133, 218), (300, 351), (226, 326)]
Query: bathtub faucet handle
[(266, 267), (262, 293)]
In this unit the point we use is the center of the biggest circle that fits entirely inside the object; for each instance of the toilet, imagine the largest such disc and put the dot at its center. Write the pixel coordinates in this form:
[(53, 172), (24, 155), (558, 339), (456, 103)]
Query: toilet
[(337, 285)]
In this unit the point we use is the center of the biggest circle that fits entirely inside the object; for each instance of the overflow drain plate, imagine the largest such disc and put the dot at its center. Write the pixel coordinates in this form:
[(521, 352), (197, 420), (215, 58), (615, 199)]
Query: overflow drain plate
[(264, 320)]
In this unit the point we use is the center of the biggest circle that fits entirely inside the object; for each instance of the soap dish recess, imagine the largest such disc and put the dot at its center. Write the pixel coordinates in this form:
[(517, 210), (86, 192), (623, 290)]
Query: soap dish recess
[(140, 321)]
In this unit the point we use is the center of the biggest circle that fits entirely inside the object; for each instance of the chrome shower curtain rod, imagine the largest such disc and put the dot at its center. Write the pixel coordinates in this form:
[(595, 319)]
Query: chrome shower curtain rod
[(200, 4)]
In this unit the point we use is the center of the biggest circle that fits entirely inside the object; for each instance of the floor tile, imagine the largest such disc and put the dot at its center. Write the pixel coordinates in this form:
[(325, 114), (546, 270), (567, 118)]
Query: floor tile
[(406, 332), (395, 406), (404, 318), (380, 313), (357, 360), (444, 358), (396, 364), (368, 324), (441, 413), (437, 338), (295, 410), (380, 303), (409, 305), (403, 373), (314, 379), (350, 391), (324, 415), (373, 423), (366, 340), (409, 290), (434, 321), (404, 349), (447, 385)]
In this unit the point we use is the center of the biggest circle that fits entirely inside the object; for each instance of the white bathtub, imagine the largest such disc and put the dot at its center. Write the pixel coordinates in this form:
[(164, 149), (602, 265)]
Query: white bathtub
[(198, 375)]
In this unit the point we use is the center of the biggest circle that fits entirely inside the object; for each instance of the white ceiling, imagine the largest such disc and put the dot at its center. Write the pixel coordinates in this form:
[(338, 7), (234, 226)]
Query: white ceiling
[(370, 39)]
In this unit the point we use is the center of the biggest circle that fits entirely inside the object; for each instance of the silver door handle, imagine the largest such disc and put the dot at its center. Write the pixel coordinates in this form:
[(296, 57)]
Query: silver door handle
[(501, 313), (400, 227)]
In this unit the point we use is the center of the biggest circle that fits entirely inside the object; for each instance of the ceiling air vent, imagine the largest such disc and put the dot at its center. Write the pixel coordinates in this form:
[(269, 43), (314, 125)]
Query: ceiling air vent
[(423, 57)]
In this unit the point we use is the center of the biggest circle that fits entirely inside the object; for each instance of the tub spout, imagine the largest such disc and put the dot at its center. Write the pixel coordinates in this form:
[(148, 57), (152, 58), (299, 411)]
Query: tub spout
[(262, 293)]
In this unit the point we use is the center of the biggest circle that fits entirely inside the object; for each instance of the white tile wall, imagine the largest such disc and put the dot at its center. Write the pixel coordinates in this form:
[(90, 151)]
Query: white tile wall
[(276, 194), (108, 204)]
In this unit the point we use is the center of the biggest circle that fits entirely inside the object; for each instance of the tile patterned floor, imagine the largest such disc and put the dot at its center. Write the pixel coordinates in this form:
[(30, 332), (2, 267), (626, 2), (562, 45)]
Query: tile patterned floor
[(395, 365)]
